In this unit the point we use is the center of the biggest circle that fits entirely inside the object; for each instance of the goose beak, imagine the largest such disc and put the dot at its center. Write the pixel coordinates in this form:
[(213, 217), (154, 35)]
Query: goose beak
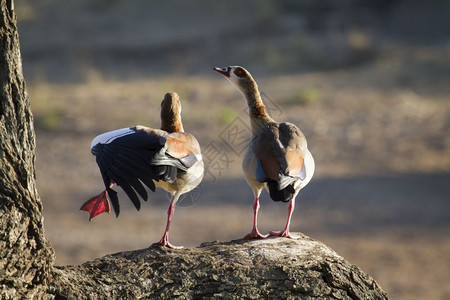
[(224, 71)]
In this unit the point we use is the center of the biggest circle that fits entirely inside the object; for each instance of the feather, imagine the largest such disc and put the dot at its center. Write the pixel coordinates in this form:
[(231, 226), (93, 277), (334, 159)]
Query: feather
[(189, 160), (283, 195), (131, 178), (116, 177), (261, 175), (112, 194), (139, 171)]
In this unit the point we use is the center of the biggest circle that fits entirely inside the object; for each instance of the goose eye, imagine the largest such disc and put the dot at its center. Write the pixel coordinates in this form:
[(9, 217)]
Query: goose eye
[(239, 72)]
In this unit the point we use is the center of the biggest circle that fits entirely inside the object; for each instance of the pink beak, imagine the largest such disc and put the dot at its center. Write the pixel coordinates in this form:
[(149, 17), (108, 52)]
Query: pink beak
[(224, 71)]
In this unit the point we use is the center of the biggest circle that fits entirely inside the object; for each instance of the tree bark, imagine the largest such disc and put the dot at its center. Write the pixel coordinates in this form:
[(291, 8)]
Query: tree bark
[(26, 256), (274, 268)]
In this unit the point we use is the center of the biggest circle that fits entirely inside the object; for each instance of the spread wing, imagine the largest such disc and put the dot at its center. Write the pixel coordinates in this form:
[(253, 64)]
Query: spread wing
[(136, 156)]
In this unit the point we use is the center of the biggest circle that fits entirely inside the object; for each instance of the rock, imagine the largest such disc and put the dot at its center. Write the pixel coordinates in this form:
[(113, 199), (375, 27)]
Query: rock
[(276, 268)]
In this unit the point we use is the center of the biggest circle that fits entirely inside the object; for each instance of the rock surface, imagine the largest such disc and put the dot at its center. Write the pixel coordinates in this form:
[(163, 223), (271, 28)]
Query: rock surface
[(275, 268)]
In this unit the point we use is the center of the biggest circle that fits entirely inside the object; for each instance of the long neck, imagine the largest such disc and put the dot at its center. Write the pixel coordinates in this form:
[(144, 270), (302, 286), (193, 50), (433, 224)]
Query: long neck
[(257, 110), (172, 123)]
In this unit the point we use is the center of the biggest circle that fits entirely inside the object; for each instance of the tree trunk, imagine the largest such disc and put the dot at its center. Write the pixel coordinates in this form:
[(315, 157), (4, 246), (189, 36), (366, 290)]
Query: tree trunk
[(26, 256)]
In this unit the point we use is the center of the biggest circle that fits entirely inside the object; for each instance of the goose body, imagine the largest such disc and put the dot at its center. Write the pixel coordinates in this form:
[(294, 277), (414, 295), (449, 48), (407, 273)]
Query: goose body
[(133, 157), (277, 158)]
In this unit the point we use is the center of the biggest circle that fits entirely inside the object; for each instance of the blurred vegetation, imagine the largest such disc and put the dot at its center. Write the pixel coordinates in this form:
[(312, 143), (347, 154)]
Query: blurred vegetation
[(49, 121), (68, 41), (227, 115), (307, 95), (47, 116)]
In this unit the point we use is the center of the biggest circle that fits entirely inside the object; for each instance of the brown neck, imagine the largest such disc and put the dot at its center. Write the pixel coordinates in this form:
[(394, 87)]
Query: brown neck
[(257, 109), (172, 124)]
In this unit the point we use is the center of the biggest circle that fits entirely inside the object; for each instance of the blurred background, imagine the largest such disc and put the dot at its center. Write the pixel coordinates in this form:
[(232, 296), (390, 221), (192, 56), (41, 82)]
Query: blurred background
[(368, 82)]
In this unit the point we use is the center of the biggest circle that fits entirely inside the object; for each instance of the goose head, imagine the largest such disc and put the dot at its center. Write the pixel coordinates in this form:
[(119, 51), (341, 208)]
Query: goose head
[(239, 77)]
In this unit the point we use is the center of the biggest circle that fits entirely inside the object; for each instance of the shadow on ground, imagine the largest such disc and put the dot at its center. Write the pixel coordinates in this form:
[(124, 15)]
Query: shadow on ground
[(354, 204)]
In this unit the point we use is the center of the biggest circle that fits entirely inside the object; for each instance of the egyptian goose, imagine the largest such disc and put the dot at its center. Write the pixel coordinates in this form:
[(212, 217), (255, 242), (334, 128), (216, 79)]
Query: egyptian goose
[(277, 157), (168, 158)]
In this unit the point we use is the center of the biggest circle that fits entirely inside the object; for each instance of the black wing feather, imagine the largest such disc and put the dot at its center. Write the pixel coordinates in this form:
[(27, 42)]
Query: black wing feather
[(126, 161), (138, 170), (167, 172), (112, 194), (106, 157), (133, 160), (140, 160), (116, 176), (171, 174), (131, 178)]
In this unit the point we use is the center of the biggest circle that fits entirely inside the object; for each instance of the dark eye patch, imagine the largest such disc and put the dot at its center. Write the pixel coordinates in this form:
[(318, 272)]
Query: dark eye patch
[(239, 72)]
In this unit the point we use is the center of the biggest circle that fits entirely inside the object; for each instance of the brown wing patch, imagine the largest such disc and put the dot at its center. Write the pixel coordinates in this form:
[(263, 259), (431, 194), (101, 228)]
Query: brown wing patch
[(279, 147), (271, 166), (294, 162), (181, 144)]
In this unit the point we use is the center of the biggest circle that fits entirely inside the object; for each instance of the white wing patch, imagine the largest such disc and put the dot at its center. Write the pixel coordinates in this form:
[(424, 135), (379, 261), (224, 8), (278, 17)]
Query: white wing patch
[(108, 137), (307, 171)]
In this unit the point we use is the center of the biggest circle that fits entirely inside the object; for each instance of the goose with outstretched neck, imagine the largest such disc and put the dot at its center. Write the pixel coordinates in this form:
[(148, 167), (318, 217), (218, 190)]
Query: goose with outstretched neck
[(277, 158)]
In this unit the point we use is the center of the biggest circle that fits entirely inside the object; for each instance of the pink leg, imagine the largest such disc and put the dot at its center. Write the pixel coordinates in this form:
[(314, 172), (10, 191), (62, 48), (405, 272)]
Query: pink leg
[(165, 239), (254, 234), (285, 232)]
